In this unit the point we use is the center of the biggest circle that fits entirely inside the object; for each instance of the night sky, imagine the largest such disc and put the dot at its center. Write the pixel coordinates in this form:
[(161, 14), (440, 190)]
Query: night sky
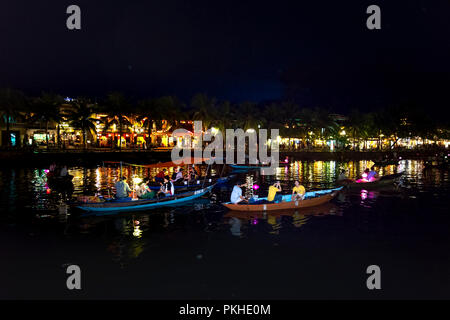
[(318, 53)]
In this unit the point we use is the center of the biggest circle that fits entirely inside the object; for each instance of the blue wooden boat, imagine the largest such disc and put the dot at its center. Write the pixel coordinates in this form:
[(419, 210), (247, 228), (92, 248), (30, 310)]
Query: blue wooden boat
[(115, 206)]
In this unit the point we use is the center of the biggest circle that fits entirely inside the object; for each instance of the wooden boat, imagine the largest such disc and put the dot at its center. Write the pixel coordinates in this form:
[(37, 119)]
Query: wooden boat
[(312, 198), (383, 163), (324, 209), (114, 206), (383, 182)]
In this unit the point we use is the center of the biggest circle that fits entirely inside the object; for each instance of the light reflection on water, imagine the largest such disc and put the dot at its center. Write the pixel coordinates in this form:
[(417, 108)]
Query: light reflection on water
[(25, 192), (28, 187)]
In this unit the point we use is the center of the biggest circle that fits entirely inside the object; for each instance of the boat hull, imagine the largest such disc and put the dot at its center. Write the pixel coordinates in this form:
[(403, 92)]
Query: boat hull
[(320, 198), (243, 167), (118, 206)]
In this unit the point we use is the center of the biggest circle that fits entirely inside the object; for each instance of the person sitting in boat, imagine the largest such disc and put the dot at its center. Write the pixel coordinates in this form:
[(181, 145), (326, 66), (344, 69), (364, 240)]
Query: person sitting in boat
[(274, 195), (298, 192), (63, 172), (52, 167), (236, 194), (365, 175), (143, 191), (167, 188), (160, 176), (342, 175), (372, 174), (178, 175), (191, 175), (122, 188)]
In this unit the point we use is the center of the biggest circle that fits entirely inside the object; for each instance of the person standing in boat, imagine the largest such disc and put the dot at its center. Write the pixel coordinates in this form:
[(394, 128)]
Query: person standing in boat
[(274, 195), (298, 192), (236, 194), (122, 188)]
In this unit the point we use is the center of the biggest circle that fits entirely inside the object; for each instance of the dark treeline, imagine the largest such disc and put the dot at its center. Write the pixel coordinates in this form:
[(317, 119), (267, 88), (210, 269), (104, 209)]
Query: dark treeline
[(394, 122)]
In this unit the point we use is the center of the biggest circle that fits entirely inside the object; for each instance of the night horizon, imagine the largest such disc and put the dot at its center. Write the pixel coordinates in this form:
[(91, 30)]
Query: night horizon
[(317, 55)]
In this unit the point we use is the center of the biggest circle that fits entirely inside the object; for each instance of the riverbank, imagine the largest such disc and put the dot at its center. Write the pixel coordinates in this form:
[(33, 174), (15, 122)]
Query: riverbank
[(88, 157)]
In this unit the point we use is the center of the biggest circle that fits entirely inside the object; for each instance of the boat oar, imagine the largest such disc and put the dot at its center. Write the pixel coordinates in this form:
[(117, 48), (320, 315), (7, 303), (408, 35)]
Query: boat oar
[(206, 175)]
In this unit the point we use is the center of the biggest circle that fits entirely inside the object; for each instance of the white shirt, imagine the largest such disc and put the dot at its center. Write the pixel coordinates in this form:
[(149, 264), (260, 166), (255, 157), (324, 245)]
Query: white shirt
[(172, 188), (236, 194), (179, 175)]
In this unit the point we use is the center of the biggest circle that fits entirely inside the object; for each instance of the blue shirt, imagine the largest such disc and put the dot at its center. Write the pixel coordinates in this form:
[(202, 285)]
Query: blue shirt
[(122, 189), (371, 174)]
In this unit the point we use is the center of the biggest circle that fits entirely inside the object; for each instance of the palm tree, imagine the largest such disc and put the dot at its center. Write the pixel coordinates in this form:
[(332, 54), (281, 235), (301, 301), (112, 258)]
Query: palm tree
[(289, 113), (117, 106), (47, 109), (225, 117), (82, 118), (170, 109), (149, 112), (248, 115), (12, 102), (204, 109)]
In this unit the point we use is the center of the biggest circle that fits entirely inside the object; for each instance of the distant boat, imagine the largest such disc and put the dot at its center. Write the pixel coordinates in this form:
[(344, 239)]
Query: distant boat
[(114, 206), (312, 198), (383, 182), (383, 163)]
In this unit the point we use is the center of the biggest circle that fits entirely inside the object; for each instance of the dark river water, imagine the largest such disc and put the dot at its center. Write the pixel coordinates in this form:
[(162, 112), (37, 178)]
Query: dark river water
[(203, 251)]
